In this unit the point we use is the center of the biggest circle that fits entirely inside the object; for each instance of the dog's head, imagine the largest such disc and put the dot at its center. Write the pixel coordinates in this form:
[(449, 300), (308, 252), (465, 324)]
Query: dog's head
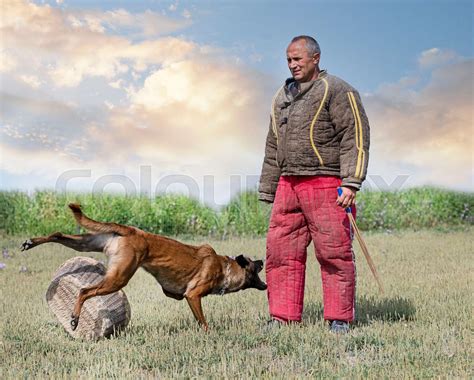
[(252, 269)]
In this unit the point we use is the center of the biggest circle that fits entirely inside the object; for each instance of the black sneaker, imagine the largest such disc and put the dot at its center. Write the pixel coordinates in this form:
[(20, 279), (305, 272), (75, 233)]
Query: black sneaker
[(273, 324), (339, 327)]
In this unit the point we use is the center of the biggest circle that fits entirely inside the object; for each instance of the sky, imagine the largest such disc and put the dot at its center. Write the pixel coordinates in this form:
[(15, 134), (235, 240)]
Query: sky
[(174, 96)]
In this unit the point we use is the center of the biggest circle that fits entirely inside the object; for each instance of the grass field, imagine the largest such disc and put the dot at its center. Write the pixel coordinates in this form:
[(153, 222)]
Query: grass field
[(420, 328)]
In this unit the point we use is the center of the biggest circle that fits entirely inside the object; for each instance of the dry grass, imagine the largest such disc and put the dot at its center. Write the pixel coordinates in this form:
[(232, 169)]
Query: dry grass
[(420, 328)]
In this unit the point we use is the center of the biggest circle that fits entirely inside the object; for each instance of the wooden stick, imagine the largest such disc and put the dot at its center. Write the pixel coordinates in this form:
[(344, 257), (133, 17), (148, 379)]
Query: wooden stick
[(365, 250)]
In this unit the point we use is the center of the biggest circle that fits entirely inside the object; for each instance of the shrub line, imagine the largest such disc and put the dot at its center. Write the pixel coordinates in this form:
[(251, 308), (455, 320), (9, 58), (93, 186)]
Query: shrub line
[(46, 211)]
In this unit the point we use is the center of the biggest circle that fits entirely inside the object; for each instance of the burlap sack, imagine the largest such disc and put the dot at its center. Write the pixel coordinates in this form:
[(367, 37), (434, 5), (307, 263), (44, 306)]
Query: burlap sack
[(100, 316)]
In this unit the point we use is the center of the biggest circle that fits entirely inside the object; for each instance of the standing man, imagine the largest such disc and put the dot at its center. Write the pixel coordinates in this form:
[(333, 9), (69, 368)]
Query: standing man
[(318, 141)]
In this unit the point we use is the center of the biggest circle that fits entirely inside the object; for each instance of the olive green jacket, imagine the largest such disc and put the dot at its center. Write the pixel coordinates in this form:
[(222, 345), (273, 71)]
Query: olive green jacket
[(321, 130)]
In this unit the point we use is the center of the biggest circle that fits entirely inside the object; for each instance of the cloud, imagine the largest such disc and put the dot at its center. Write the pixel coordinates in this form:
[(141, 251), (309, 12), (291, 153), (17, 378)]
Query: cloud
[(71, 46), (31, 80), (87, 98), (192, 113), (425, 132), (184, 108), (77, 93), (186, 14), (148, 23), (35, 126), (7, 61), (435, 57), (173, 7)]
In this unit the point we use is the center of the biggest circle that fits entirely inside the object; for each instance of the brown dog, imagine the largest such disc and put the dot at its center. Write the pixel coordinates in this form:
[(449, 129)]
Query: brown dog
[(183, 271)]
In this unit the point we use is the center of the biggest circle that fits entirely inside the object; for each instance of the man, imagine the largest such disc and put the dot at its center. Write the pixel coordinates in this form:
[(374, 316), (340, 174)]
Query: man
[(318, 141)]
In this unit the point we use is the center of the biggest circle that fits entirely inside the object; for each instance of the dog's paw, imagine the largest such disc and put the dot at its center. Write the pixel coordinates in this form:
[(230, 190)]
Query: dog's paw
[(74, 322), (26, 245)]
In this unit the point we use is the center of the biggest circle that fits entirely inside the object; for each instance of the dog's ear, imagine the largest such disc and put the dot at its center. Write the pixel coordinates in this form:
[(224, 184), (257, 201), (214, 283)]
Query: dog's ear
[(259, 265), (242, 261)]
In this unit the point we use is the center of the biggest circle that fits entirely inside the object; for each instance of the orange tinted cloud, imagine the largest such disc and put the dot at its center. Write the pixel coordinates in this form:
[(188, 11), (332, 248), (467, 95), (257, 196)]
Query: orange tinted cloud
[(179, 106), (71, 46), (425, 132)]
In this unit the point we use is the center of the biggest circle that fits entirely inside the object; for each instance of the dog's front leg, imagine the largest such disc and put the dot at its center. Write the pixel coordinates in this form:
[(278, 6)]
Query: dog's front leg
[(196, 308)]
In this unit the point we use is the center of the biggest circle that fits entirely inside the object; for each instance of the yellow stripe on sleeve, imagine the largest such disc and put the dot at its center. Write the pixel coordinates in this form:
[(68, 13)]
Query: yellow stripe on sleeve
[(323, 101), (359, 136)]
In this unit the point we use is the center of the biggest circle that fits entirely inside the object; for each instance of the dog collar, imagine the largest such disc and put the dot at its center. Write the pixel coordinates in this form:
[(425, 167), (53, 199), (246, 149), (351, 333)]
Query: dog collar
[(226, 283)]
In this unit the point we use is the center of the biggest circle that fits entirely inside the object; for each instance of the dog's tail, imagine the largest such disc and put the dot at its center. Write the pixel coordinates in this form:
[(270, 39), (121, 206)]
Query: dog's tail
[(95, 226)]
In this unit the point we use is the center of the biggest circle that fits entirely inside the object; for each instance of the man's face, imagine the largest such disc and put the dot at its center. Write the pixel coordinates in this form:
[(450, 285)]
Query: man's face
[(303, 67)]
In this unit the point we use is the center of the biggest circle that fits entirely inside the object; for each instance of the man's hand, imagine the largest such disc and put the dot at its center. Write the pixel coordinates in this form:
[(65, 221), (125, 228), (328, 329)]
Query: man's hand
[(347, 198)]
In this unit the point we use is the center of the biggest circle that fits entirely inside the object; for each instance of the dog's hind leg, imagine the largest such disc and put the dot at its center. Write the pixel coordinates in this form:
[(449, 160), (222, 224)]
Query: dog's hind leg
[(122, 266), (81, 243)]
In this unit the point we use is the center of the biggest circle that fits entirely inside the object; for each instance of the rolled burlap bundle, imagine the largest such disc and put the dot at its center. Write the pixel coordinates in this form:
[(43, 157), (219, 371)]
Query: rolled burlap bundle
[(100, 316)]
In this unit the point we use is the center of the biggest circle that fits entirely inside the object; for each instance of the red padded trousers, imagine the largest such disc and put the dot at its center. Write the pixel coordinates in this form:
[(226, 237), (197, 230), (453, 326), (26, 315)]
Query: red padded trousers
[(305, 209)]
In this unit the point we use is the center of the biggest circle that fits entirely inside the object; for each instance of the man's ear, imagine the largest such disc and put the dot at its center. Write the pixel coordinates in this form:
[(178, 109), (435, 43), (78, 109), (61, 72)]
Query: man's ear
[(242, 261), (316, 58)]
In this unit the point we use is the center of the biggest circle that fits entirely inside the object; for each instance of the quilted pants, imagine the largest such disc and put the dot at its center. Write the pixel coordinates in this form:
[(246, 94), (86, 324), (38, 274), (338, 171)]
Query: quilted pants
[(305, 209)]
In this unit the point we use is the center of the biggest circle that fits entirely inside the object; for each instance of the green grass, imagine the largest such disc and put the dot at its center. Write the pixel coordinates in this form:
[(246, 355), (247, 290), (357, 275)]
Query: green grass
[(419, 329)]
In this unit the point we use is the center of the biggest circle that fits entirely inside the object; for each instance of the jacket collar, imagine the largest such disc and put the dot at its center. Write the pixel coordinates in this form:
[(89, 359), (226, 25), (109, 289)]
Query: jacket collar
[(303, 87)]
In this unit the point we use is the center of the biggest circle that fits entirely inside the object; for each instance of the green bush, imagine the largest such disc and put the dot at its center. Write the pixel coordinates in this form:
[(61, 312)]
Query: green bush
[(246, 215), (45, 212), (414, 208), (376, 210)]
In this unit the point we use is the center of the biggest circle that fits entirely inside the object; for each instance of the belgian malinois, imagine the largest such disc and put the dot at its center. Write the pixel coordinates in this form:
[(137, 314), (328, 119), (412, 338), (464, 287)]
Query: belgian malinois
[(182, 270)]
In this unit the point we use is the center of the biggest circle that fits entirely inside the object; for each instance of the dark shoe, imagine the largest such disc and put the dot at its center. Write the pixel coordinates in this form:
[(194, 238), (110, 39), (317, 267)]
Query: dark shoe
[(272, 325), (339, 327)]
